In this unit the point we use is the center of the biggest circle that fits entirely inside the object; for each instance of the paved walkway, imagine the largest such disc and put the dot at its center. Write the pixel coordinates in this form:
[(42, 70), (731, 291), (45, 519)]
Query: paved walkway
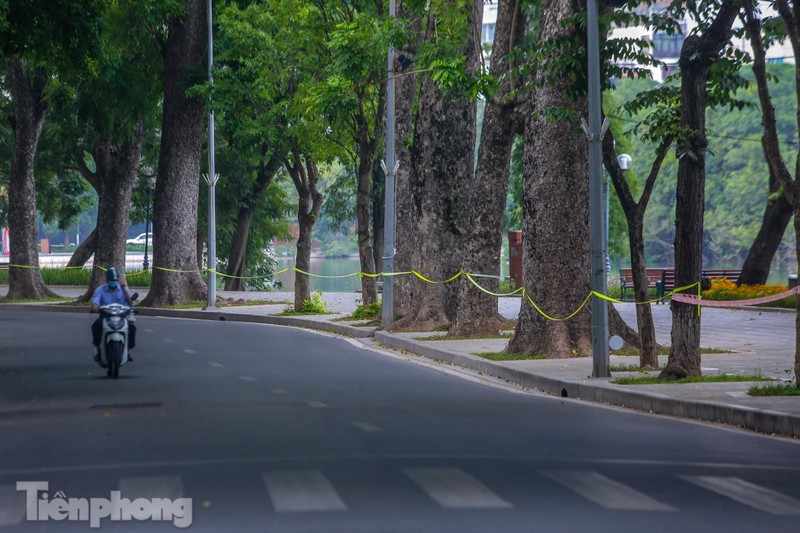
[(761, 342)]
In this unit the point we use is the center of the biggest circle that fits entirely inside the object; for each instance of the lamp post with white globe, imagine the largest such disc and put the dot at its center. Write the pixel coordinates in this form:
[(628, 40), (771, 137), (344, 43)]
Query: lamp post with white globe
[(624, 161)]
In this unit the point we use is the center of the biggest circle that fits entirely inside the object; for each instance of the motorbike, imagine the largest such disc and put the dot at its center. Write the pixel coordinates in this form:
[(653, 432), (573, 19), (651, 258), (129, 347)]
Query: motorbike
[(114, 336)]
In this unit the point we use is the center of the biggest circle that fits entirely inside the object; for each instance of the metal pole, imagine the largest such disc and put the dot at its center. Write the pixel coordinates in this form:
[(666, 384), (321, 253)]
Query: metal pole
[(212, 182), (390, 167), (146, 263), (600, 359)]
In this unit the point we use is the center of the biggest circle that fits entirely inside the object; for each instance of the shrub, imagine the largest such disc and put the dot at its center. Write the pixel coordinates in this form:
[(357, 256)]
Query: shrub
[(726, 290), (314, 306), (366, 312)]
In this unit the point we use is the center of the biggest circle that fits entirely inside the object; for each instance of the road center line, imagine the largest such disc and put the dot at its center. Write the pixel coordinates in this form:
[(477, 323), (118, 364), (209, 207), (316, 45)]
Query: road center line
[(188, 350), (247, 378), (316, 404), (216, 365)]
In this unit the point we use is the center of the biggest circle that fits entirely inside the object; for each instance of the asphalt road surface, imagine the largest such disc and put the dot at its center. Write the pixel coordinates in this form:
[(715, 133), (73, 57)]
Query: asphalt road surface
[(225, 426)]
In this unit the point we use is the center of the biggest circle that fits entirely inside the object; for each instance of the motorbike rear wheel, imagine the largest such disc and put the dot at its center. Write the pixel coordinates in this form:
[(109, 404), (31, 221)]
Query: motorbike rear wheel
[(114, 353)]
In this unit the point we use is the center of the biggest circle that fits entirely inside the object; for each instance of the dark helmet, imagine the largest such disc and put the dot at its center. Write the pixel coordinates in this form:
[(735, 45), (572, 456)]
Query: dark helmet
[(112, 274)]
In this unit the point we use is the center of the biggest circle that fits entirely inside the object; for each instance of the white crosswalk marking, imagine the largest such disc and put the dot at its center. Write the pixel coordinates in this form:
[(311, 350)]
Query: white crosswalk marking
[(454, 488), (170, 487), (748, 493), (605, 492), (12, 505), (295, 491)]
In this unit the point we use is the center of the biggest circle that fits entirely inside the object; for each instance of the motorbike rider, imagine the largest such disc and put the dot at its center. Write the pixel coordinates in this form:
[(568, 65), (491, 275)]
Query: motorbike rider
[(114, 291)]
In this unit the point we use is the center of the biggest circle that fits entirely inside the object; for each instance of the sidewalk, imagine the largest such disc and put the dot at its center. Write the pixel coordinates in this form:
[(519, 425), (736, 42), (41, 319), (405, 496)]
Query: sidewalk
[(761, 341)]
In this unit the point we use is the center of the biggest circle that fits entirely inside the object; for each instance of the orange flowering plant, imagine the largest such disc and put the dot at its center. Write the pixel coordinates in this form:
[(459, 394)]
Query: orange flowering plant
[(724, 289)]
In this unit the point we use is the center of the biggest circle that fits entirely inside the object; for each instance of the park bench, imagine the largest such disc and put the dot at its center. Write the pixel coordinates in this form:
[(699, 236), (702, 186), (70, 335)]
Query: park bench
[(663, 279)]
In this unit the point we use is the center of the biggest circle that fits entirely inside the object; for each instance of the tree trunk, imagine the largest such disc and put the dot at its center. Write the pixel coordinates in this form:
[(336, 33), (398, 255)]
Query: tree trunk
[(308, 209), (27, 93), (777, 214), (556, 259), (116, 174), (697, 56), (176, 278), (476, 311), (84, 251), (406, 209), (648, 348), (238, 253), (366, 153), (441, 177), (378, 212)]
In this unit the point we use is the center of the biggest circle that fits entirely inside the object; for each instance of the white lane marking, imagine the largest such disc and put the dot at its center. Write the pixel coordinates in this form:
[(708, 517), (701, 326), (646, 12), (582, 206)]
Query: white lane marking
[(12, 505), (454, 488), (168, 340), (247, 378), (367, 427), (316, 404), (188, 350), (748, 493), (278, 391), (148, 330), (605, 492), (738, 394), (295, 491), (216, 365)]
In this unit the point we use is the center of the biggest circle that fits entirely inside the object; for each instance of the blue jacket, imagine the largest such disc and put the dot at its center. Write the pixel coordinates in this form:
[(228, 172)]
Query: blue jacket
[(103, 295)]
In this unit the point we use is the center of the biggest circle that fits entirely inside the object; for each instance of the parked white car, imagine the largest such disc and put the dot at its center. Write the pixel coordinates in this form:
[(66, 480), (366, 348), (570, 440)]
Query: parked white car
[(139, 240)]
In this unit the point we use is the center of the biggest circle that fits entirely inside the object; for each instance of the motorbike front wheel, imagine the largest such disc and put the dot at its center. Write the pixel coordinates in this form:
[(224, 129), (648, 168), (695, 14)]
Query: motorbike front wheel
[(114, 353)]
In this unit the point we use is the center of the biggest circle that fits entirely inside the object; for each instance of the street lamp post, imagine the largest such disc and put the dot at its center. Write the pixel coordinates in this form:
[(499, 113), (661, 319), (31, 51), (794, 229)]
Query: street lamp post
[(211, 179), (390, 168)]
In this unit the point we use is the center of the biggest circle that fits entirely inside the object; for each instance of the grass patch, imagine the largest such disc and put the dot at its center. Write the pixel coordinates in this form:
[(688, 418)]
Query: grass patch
[(786, 389), (448, 338), (500, 356), (717, 378), (631, 368), (369, 324)]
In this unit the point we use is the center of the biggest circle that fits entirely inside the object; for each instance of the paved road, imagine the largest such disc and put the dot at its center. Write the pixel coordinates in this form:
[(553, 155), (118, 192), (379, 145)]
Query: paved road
[(277, 429)]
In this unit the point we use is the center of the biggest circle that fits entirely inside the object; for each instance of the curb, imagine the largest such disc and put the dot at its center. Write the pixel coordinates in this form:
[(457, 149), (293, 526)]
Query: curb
[(599, 391)]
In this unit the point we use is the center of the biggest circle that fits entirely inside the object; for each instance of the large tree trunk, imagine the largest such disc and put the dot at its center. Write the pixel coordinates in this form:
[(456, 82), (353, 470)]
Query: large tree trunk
[(238, 253), (697, 56), (777, 214), (84, 251), (308, 208), (27, 93), (556, 259), (176, 278), (115, 176), (476, 311), (441, 177), (406, 209)]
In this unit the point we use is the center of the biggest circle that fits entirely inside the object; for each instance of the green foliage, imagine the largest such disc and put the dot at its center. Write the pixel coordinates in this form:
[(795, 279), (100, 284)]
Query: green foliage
[(364, 312), (315, 306), (716, 378)]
